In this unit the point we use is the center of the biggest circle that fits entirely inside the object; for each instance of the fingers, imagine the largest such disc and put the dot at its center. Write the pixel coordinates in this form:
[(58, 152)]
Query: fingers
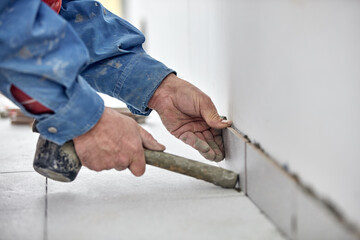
[(199, 144), (114, 142), (211, 116), (209, 137), (213, 141), (217, 134), (137, 165), (149, 141), (209, 143), (120, 168)]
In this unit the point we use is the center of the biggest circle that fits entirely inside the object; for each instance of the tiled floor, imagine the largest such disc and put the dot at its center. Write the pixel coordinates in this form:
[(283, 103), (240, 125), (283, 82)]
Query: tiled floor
[(117, 205)]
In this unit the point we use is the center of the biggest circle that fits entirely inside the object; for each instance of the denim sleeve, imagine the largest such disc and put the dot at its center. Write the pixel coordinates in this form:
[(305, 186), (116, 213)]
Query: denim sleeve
[(118, 65), (41, 54)]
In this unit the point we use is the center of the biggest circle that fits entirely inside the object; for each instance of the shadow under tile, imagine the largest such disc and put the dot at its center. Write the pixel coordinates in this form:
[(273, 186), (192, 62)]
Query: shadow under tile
[(17, 147), (22, 206), (158, 205)]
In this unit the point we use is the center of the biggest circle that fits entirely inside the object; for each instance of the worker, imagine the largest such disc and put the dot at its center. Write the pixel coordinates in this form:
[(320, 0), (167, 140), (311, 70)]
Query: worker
[(51, 66)]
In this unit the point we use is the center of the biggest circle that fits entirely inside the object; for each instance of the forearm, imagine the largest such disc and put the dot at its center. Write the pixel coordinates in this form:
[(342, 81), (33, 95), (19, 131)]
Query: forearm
[(118, 65), (43, 56)]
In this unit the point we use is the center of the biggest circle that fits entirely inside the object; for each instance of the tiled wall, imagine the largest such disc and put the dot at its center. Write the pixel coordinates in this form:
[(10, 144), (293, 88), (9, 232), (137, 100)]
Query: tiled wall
[(286, 72), (297, 211)]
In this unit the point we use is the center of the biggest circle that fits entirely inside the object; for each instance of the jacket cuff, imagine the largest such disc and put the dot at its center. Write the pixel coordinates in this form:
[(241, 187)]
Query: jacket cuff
[(79, 115), (139, 82)]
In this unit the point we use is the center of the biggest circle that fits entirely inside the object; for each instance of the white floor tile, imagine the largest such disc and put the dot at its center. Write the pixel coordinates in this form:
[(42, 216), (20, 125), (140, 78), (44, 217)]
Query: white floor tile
[(17, 147), (158, 205), (117, 205), (22, 206)]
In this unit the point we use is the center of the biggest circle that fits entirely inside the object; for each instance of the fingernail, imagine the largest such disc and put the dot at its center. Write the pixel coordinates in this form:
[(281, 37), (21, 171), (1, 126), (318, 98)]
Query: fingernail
[(226, 121)]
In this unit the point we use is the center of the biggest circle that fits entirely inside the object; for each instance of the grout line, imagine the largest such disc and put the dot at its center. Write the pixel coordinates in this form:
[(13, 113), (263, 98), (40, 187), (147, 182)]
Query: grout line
[(46, 211), (294, 217), (245, 168), (294, 214)]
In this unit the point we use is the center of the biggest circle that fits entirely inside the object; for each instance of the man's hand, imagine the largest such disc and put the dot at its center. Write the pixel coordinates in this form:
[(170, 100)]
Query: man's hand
[(190, 115), (116, 141)]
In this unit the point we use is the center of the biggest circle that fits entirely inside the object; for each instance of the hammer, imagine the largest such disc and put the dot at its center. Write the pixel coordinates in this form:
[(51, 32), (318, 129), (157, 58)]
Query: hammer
[(61, 163)]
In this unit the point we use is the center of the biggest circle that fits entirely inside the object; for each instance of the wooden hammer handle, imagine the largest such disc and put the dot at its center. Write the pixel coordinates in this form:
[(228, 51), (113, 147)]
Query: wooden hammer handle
[(216, 175), (61, 163)]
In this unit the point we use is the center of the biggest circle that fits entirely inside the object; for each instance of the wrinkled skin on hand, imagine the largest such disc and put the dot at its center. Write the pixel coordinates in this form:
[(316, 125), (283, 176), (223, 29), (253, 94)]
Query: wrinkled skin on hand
[(190, 115), (116, 141)]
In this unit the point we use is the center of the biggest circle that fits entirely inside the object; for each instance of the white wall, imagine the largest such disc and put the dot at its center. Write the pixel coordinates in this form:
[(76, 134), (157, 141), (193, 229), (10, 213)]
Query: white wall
[(287, 72)]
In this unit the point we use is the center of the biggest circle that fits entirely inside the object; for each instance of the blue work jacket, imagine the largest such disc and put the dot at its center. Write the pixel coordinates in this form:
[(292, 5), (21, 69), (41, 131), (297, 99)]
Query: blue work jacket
[(62, 60)]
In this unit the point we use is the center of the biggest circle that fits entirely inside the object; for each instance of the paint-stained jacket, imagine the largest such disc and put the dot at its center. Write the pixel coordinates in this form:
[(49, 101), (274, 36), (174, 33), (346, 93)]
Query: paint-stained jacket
[(62, 60)]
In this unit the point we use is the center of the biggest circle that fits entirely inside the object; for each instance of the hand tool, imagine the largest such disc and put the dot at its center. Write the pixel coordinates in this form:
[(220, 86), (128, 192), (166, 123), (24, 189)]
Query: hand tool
[(61, 163)]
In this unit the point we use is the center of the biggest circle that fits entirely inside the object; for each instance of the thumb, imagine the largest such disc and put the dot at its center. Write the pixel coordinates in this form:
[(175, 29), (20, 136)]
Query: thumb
[(211, 116), (149, 141)]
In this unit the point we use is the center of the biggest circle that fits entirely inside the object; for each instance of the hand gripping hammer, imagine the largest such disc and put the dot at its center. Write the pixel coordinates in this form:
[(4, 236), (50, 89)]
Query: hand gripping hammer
[(61, 163)]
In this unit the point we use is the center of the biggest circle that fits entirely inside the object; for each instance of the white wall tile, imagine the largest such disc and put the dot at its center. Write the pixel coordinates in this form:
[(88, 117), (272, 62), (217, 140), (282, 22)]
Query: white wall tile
[(315, 222), (270, 189), (158, 205), (235, 152)]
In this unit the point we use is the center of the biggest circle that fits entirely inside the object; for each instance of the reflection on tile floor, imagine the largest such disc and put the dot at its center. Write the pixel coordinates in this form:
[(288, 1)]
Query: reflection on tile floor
[(117, 205)]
